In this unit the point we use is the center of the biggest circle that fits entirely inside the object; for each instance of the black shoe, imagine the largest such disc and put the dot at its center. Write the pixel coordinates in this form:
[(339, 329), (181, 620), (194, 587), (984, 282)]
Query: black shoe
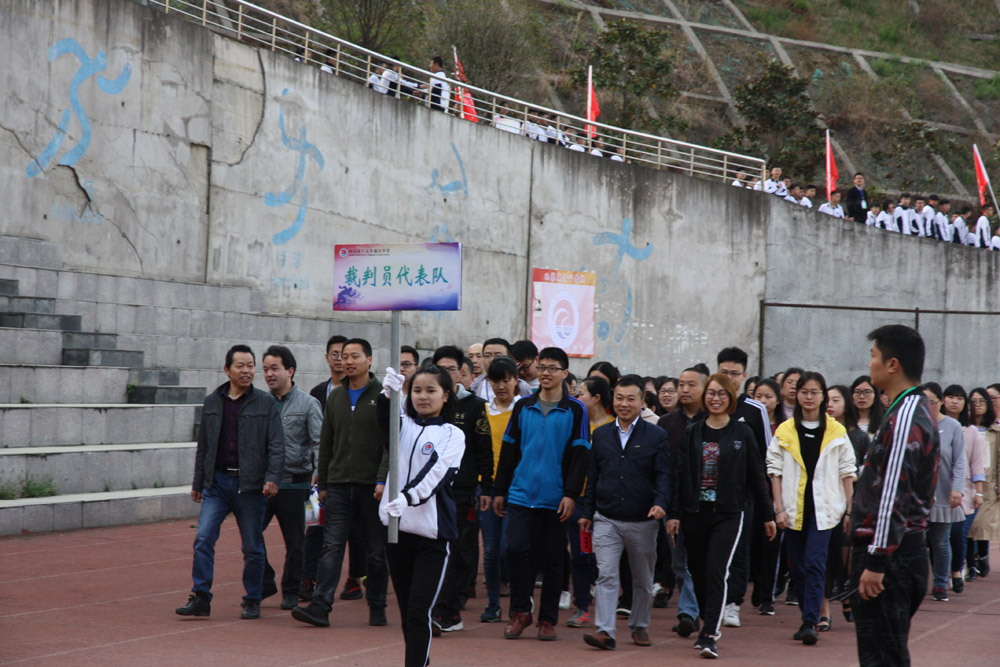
[(314, 614), (251, 609), (708, 647), (686, 625), (352, 590), (376, 616), (662, 597), (806, 634), (792, 599), (451, 623), (766, 609), (270, 588), (197, 605), (940, 595), (972, 574), (290, 601), (306, 590), (957, 584), (984, 566)]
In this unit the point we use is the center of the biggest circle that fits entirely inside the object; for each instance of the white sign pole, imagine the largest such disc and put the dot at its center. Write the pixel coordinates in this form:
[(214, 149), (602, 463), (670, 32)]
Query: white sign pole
[(394, 413)]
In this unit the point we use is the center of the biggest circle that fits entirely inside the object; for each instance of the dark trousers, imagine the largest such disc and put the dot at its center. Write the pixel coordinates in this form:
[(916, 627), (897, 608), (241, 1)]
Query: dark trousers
[(711, 539), (535, 534), (289, 507), (344, 502), (739, 571), (663, 574), (765, 564), (807, 549), (461, 566), (883, 624), (583, 567), (417, 565)]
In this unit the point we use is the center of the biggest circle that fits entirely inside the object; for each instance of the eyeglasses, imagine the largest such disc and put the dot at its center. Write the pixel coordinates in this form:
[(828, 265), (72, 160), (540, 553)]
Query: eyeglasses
[(334, 355), (978, 401), (933, 401), (526, 366), (809, 393), (407, 364), (716, 394), (864, 392), (732, 374), (449, 369), (668, 391), (546, 369), (492, 355)]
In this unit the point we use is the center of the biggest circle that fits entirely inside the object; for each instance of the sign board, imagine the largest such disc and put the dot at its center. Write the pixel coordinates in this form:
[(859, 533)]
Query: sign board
[(398, 276), (562, 310)]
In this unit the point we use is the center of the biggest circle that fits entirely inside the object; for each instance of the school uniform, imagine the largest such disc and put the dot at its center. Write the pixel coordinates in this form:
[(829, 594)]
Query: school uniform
[(773, 187), (981, 237), (836, 211), (871, 220), (960, 233), (944, 229), (928, 222), (886, 221), (805, 201), (901, 215)]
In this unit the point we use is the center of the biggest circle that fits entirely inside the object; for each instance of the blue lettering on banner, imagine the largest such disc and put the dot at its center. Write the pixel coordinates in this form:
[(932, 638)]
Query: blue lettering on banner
[(88, 68), (305, 149)]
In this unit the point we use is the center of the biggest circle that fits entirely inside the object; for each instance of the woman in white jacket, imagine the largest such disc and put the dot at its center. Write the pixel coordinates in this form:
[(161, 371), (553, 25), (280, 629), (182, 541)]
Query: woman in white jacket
[(812, 467), (430, 452)]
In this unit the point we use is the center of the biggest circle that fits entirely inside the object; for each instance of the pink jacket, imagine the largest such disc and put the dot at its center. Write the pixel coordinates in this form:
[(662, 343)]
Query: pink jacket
[(975, 465)]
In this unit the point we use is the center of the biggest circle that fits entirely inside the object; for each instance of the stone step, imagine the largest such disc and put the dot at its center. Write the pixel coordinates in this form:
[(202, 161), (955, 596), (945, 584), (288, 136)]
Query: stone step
[(9, 287), (96, 468), (102, 357), (30, 346), (62, 384), (34, 253), (152, 394), (40, 321), (91, 510), (172, 352), (51, 425), (80, 340), (158, 377), (28, 304)]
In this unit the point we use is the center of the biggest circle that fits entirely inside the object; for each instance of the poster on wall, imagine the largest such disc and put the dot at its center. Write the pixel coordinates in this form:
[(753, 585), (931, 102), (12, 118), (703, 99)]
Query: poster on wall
[(562, 310), (397, 276)]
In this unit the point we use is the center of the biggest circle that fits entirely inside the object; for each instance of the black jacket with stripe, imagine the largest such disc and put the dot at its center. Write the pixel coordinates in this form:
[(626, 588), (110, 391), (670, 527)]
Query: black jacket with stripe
[(895, 492)]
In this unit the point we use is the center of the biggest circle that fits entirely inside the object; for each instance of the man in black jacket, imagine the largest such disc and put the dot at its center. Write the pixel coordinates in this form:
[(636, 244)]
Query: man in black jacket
[(475, 472), (237, 467), (857, 200), (892, 502), (628, 490)]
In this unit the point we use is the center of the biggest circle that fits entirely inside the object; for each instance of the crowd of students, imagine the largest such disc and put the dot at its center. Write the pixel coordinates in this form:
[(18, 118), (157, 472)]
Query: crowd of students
[(911, 215), (616, 493)]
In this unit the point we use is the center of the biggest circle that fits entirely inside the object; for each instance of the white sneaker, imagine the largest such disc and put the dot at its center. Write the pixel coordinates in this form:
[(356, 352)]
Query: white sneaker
[(731, 615), (565, 601), (656, 589)]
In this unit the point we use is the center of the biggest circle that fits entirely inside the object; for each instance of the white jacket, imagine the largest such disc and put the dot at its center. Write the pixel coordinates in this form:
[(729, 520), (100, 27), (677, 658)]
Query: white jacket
[(836, 462), (429, 456)]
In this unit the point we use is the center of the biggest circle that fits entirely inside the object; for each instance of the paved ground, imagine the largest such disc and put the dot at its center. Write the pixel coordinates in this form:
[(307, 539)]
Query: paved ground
[(107, 597)]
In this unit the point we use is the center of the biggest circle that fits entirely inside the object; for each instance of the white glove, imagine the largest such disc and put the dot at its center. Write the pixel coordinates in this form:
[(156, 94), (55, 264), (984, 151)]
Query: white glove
[(395, 507), (393, 381)]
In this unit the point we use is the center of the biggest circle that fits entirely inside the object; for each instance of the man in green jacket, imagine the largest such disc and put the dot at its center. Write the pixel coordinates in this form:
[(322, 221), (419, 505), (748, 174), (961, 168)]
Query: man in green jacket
[(351, 468)]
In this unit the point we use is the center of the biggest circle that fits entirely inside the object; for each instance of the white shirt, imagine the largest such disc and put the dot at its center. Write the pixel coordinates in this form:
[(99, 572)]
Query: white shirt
[(902, 217), (535, 131), (756, 186), (886, 221), (376, 82), (615, 157), (511, 125), (982, 233), (627, 433), (438, 85), (995, 243), (929, 215), (775, 187), (577, 147), (805, 201), (871, 219), (836, 211), (791, 199), (945, 230), (961, 229), (737, 183), (917, 223)]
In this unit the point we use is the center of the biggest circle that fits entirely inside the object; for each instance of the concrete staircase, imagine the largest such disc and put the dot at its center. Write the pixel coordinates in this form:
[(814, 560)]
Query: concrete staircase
[(102, 379)]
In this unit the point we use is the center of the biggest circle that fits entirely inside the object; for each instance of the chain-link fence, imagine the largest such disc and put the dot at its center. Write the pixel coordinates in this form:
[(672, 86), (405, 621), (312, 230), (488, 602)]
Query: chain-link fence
[(963, 347)]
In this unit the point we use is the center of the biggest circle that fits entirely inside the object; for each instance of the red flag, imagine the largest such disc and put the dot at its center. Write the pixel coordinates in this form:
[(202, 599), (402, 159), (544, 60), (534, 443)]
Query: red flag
[(982, 180), (464, 95), (831, 169), (593, 111)]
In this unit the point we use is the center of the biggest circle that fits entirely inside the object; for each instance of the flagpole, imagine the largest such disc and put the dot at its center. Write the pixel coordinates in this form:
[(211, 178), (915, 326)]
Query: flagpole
[(590, 89), (989, 186)]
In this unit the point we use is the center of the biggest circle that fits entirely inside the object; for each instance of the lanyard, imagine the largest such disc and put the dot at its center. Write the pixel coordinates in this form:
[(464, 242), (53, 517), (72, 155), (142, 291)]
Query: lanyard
[(898, 399)]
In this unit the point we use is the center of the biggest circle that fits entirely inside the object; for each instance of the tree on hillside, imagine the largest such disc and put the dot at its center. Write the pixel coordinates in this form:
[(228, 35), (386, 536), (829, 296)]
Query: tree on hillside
[(636, 65), (498, 43), (379, 25), (780, 122)]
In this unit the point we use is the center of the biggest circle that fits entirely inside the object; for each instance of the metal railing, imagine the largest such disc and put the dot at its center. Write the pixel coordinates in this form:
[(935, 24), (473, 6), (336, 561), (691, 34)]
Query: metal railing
[(260, 27)]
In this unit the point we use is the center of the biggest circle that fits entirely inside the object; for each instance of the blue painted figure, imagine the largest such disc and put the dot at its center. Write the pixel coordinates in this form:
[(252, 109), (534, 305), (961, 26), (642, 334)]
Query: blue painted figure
[(625, 247), (88, 68), (304, 149), (453, 187)]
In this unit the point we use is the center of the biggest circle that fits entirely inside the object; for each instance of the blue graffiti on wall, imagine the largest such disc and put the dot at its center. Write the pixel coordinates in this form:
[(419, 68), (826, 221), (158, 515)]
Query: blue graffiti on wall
[(304, 149), (624, 244), (88, 68), (453, 187)]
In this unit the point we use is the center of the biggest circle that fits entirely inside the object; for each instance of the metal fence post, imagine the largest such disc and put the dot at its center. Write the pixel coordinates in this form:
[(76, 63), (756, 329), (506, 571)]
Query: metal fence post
[(274, 33), (204, 13), (239, 25)]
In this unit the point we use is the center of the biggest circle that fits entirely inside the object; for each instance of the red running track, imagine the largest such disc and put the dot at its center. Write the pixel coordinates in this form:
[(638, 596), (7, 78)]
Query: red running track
[(106, 596)]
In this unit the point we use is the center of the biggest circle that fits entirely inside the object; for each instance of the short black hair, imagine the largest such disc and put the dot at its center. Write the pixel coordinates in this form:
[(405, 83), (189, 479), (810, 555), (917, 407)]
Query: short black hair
[(703, 369), (632, 380), (554, 354), (444, 379), (886, 203), (570, 378), (794, 370), (449, 352), (238, 348), (732, 355), (858, 173), (409, 349), (934, 388), (523, 349), (501, 368), (334, 340), (903, 343), (365, 345), (497, 341), (905, 195), (599, 387), (608, 370), (468, 363), (283, 353), (934, 197), (437, 60), (965, 209), (944, 201)]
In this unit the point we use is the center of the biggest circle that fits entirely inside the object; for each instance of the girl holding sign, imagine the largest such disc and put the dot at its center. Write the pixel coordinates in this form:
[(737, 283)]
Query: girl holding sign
[(430, 451)]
